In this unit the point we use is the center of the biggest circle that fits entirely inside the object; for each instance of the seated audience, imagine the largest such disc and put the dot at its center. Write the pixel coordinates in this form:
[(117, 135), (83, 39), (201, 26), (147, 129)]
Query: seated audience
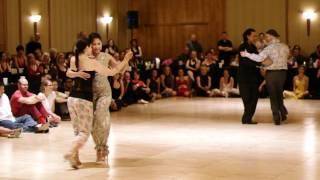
[(60, 70), (33, 74), (211, 61), (128, 97), (193, 65), (181, 60), (110, 48), (53, 56), (300, 85), (298, 57), (38, 55), (117, 88), (45, 64), (167, 81), (5, 66), (61, 101), (315, 56), (183, 84), (20, 59), (141, 91), (226, 86), (24, 102), (153, 83), (136, 49), (49, 102), (7, 119), (203, 82)]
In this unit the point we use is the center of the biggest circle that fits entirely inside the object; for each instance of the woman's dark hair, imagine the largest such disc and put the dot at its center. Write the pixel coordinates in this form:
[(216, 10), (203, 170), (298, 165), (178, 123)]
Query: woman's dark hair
[(246, 33), (19, 48), (208, 52), (227, 69), (81, 45), (93, 36)]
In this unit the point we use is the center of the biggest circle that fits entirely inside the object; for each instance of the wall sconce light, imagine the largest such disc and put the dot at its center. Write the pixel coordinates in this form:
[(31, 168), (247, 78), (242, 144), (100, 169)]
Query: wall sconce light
[(309, 15), (106, 20), (35, 19)]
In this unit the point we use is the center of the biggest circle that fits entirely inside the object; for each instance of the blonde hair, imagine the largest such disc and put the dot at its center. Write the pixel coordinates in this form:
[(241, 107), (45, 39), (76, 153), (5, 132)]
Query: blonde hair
[(44, 83)]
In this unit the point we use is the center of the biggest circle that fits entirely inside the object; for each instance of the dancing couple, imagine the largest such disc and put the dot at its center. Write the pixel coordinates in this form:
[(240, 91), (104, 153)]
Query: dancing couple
[(274, 58), (90, 97)]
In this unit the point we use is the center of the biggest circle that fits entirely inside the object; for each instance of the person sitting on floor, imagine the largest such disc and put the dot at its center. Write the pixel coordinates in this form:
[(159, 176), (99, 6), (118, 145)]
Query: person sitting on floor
[(24, 102), (167, 81), (142, 92), (300, 85), (49, 102), (7, 120), (226, 86), (154, 84), (203, 82), (183, 84), (193, 65), (117, 88)]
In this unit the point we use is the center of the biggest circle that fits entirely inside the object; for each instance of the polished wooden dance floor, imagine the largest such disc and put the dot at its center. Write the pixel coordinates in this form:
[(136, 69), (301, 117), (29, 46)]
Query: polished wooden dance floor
[(180, 139)]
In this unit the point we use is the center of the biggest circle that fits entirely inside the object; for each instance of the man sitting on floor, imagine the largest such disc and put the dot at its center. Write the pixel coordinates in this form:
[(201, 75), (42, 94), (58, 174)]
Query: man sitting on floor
[(24, 102), (7, 120)]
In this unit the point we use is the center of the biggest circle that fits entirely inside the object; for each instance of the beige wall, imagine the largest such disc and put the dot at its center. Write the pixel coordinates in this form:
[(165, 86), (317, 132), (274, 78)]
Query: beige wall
[(71, 16), (12, 25), (265, 14), (68, 18), (63, 21), (28, 8), (2, 25), (242, 14), (298, 26)]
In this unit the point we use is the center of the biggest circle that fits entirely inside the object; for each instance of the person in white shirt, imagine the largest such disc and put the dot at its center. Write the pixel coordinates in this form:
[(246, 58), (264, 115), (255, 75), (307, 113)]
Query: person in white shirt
[(7, 120), (49, 102)]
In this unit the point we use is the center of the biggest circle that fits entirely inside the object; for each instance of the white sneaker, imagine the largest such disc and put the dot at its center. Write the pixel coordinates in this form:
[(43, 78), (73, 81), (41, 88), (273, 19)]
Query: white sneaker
[(142, 101), (43, 127)]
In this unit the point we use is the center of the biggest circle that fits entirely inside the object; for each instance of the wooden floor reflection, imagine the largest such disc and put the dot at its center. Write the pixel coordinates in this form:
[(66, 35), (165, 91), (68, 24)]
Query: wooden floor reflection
[(180, 139)]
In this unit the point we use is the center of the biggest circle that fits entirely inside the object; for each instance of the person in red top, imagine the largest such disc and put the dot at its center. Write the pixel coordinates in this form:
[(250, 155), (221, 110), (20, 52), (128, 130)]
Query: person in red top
[(23, 102)]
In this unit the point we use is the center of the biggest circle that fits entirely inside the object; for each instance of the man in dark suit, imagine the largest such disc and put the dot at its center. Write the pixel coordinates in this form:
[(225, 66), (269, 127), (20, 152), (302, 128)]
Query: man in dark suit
[(248, 77)]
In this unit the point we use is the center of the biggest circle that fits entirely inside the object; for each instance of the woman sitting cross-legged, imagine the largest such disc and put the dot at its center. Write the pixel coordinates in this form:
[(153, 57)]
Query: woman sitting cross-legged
[(49, 102), (300, 85), (226, 86), (167, 83), (203, 82), (154, 84), (117, 88), (183, 84)]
